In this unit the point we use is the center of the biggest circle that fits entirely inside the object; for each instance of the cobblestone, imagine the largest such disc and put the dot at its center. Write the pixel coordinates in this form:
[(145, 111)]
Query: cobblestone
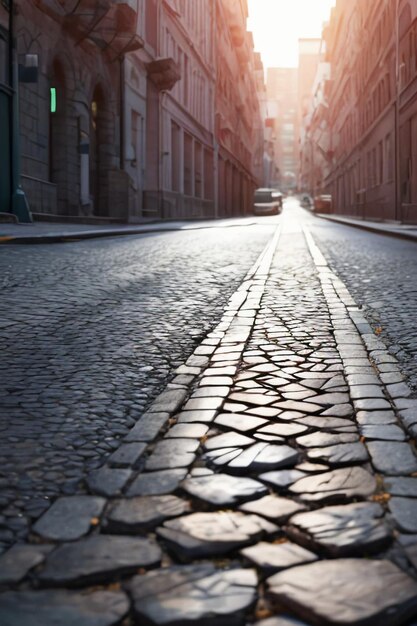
[(97, 329), (200, 493)]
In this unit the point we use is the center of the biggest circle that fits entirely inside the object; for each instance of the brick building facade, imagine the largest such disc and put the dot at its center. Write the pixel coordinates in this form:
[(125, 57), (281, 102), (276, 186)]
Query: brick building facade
[(122, 120), (369, 108)]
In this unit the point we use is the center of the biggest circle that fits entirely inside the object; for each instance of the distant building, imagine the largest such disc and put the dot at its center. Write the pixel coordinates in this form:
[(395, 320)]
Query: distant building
[(282, 91), (368, 110), (132, 109), (308, 59)]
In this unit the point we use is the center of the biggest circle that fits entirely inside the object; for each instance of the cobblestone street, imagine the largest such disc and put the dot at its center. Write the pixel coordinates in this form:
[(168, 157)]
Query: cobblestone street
[(93, 331), (273, 480)]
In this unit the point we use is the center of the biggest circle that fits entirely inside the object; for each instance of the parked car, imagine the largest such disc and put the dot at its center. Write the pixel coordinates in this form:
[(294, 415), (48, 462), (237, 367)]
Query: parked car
[(267, 202), (306, 201), (323, 203)]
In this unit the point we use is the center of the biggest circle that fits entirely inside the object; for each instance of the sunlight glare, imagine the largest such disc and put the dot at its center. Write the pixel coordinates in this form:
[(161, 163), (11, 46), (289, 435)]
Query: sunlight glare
[(278, 24)]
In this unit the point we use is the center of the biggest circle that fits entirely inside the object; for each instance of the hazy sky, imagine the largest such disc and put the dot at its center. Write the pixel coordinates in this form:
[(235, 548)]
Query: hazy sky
[(278, 24)]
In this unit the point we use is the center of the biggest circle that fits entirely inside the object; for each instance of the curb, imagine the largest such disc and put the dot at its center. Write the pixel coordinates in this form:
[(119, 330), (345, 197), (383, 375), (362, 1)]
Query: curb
[(96, 234), (369, 227)]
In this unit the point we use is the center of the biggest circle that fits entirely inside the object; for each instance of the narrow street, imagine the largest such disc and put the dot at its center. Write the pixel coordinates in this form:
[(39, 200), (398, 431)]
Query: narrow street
[(212, 442)]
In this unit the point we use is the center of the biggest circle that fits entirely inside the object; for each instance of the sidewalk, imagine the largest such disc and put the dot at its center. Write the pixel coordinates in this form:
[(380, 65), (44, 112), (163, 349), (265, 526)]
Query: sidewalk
[(47, 232), (396, 229), (272, 482)]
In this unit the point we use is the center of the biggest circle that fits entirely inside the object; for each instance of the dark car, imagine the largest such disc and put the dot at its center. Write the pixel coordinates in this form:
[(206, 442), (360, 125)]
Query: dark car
[(323, 203), (267, 202)]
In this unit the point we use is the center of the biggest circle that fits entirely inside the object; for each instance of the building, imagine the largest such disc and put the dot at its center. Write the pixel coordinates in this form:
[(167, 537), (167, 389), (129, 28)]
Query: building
[(239, 135), (119, 105), (370, 112), (282, 91), (309, 52)]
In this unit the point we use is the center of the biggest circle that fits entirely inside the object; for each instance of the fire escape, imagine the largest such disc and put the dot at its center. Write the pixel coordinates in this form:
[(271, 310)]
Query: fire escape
[(111, 25)]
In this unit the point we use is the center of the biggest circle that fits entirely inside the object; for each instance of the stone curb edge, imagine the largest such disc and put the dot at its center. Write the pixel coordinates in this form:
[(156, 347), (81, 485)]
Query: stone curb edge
[(97, 234), (369, 227)]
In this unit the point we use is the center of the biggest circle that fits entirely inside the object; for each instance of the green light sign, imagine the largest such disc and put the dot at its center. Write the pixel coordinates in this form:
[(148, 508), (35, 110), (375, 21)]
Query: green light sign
[(53, 100)]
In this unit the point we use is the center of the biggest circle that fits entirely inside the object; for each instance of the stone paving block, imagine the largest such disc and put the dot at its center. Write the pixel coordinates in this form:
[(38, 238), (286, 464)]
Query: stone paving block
[(366, 391), (62, 608), (69, 517), (19, 560), (172, 454), (156, 483), (148, 427), (222, 489), (368, 418), (277, 509), (108, 481), (336, 486), (371, 404), (347, 530), (401, 486), (210, 534), (228, 440), (392, 457), (271, 558), (389, 432), (210, 392), (169, 401), (323, 439), (133, 515), (281, 479), (347, 592), (216, 381), (240, 421), (188, 417), (195, 594), (98, 558), (339, 454), (203, 404), (329, 424), (404, 512), (257, 399), (193, 431), (127, 455), (259, 457)]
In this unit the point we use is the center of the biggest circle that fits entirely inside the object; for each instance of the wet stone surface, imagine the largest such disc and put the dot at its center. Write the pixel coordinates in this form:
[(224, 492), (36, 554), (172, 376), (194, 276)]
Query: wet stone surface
[(222, 489), (338, 485), (347, 591), (98, 558), (195, 594), (69, 518), (271, 558), (133, 515), (210, 534), (352, 529), (66, 608)]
